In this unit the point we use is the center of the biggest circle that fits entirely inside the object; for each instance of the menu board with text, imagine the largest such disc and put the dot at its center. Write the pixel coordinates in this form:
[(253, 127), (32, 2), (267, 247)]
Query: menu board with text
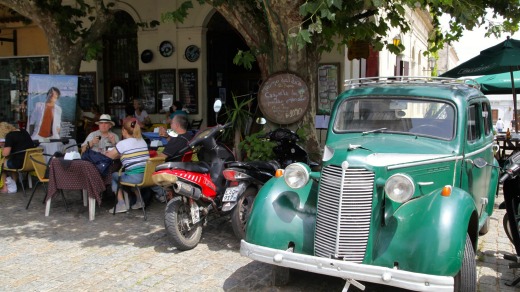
[(188, 94)]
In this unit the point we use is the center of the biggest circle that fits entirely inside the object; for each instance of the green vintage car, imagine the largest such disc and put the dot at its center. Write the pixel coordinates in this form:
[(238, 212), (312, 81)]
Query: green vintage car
[(407, 183)]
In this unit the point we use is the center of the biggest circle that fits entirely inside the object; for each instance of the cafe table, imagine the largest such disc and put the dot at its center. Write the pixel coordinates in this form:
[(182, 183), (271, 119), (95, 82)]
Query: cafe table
[(507, 145), (76, 175)]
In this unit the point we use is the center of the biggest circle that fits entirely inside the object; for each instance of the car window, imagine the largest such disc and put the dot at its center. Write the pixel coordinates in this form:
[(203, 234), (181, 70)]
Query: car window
[(473, 128), (419, 117)]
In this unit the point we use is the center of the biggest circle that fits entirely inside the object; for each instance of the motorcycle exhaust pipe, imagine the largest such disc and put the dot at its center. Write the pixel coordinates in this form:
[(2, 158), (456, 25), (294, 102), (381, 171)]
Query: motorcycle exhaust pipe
[(187, 190)]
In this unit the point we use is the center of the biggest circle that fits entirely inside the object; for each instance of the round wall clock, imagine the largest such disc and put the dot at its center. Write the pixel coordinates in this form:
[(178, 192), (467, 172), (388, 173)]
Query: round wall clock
[(192, 53), (146, 56), (166, 49)]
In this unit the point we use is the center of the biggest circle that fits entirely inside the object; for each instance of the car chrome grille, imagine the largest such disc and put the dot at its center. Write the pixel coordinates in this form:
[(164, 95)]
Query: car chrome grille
[(344, 211)]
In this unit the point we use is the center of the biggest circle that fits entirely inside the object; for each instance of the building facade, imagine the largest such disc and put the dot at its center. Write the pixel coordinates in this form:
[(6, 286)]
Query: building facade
[(189, 62)]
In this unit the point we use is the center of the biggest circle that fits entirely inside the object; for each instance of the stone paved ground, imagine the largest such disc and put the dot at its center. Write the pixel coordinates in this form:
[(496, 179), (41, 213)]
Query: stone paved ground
[(66, 252)]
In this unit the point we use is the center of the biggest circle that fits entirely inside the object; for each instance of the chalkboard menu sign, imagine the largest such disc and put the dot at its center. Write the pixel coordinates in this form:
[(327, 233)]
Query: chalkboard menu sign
[(87, 90), (328, 85), (147, 90), (188, 84), (166, 84), (284, 98)]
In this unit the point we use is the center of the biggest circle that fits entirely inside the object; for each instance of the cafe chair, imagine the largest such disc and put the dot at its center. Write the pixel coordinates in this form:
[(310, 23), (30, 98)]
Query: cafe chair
[(40, 168), (27, 166), (147, 181)]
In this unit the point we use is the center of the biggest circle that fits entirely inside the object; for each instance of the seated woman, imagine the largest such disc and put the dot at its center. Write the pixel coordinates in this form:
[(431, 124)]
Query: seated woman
[(15, 140), (140, 113), (101, 139), (175, 109), (133, 152)]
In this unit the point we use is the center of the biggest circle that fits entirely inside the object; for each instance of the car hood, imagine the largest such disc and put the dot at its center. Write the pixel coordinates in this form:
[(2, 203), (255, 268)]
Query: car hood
[(384, 150)]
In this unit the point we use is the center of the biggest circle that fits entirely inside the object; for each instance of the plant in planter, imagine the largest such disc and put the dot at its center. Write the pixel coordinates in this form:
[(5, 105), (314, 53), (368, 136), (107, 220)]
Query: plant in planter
[(240, 117), (257, 148)]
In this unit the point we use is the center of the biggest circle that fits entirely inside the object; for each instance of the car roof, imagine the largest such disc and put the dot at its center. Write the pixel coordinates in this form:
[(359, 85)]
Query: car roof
[(434, 87)]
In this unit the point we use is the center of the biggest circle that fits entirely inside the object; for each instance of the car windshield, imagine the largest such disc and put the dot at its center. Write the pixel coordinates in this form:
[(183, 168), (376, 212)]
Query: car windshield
[(431, 118)]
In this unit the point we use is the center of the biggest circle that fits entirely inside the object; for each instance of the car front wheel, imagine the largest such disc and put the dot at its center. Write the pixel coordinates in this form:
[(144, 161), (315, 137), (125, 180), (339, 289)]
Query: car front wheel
[(466, 279)]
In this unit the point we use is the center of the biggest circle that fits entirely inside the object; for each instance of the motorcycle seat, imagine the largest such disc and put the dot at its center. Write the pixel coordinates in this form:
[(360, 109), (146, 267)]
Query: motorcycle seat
[(200, 167), (269, 166)]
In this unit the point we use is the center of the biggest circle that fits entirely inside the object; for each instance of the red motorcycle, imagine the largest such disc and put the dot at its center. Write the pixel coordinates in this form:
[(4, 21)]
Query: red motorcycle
[(194, 189)]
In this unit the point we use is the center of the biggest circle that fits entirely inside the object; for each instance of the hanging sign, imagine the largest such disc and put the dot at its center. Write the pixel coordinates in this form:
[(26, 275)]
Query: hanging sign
[(284, 98)]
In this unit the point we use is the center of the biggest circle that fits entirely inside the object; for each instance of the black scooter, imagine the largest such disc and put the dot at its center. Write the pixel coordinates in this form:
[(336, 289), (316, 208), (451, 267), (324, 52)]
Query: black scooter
[(511, 189), (246, 178)]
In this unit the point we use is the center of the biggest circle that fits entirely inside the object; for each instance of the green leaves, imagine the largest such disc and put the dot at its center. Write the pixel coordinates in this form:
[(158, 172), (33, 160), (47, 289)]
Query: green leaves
[(245, 59), (178, 15), (257, 148)]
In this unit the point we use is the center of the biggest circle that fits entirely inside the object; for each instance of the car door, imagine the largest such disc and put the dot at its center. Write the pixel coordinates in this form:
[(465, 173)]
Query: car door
[(477, 145)]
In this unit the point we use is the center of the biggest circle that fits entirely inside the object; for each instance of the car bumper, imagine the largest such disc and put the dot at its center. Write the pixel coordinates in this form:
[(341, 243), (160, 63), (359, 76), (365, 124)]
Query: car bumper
[(347, 270)]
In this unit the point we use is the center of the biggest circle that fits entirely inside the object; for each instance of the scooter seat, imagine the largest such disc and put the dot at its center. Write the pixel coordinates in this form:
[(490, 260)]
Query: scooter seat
[(269, 166), (200, 167)]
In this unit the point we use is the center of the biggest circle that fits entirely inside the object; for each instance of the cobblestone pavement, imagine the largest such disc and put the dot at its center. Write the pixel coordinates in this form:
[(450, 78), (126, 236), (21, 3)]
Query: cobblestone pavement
[(66, 252)]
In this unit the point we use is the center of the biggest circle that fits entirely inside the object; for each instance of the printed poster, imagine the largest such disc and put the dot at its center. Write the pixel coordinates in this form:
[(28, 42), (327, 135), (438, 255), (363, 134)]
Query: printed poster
[(51, 105)]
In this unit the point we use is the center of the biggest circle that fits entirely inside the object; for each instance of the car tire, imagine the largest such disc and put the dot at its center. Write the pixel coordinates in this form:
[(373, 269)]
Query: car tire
[(466, 279)]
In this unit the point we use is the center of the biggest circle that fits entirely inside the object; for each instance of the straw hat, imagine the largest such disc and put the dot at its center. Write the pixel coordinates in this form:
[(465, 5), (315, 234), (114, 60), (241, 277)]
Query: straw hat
[(105, 119), (5, 128)]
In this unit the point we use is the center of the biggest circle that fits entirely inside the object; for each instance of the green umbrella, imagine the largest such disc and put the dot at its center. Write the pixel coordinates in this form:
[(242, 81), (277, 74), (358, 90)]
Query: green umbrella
[(501, 58), (498, 83)]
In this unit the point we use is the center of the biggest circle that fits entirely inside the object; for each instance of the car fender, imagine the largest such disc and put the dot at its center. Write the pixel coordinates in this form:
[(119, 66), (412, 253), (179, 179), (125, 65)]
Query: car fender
[(427, 234), (284, 216)]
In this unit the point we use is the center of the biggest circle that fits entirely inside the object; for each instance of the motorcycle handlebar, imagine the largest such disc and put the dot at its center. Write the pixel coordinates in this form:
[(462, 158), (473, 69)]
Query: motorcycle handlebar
[(503, 178), (510, 173)]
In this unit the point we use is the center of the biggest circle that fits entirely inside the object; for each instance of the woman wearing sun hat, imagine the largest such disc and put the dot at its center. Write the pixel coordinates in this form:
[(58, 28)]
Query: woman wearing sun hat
[(102, 138)]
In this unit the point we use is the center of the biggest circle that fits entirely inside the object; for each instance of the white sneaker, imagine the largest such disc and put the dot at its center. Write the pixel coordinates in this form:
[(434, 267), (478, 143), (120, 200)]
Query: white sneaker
[(137, 205), (120, 208)]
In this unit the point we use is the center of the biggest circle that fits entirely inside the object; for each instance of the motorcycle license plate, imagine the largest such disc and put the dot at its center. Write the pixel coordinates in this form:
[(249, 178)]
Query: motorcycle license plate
[(232, 193)]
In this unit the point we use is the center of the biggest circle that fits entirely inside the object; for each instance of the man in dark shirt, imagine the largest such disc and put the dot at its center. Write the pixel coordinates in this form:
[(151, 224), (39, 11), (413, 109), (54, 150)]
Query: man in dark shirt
[(15, 141), (179, 125)]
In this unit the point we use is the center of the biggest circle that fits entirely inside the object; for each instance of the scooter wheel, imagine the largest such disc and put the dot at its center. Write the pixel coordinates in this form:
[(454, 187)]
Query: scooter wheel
[(178, 223), (242, 211)]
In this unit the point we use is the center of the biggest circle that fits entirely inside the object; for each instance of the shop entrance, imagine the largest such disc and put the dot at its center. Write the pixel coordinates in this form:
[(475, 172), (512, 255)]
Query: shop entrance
[(226, 79)]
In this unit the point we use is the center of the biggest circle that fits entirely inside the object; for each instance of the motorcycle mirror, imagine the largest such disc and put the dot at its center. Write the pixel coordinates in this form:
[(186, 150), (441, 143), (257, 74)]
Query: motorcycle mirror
[(217, 105), (261, 121)]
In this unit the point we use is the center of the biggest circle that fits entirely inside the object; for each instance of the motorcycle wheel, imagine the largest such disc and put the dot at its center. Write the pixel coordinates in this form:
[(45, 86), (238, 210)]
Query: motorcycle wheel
[(466, 279), (507, 229), (176, 220), (242, 211)]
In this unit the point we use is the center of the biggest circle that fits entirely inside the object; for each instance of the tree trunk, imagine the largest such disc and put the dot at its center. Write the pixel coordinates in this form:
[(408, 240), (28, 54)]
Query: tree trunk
[(65, 54), (281, 16)]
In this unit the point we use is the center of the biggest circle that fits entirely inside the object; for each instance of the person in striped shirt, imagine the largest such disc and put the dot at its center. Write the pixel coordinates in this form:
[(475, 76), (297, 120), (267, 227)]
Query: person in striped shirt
[(133, 152)]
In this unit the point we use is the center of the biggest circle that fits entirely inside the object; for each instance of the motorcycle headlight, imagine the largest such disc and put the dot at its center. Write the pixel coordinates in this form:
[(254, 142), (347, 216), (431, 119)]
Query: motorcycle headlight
[(399, 188), (296, 175)]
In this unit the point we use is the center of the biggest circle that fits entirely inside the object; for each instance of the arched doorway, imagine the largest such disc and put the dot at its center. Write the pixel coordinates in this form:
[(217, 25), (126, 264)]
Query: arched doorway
[(225, 78), (120, 65)]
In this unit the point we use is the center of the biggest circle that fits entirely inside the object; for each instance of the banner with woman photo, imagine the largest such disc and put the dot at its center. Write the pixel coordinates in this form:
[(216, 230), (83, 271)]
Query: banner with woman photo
[(52, 106)]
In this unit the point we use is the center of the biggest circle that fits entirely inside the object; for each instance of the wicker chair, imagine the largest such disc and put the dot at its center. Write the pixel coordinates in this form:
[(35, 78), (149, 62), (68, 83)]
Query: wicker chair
[(147, 181), (27, 165), (40, 168)]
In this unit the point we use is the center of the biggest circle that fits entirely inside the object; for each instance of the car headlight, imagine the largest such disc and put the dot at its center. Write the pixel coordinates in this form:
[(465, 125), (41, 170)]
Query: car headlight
[(399, 188), (296, 175)]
